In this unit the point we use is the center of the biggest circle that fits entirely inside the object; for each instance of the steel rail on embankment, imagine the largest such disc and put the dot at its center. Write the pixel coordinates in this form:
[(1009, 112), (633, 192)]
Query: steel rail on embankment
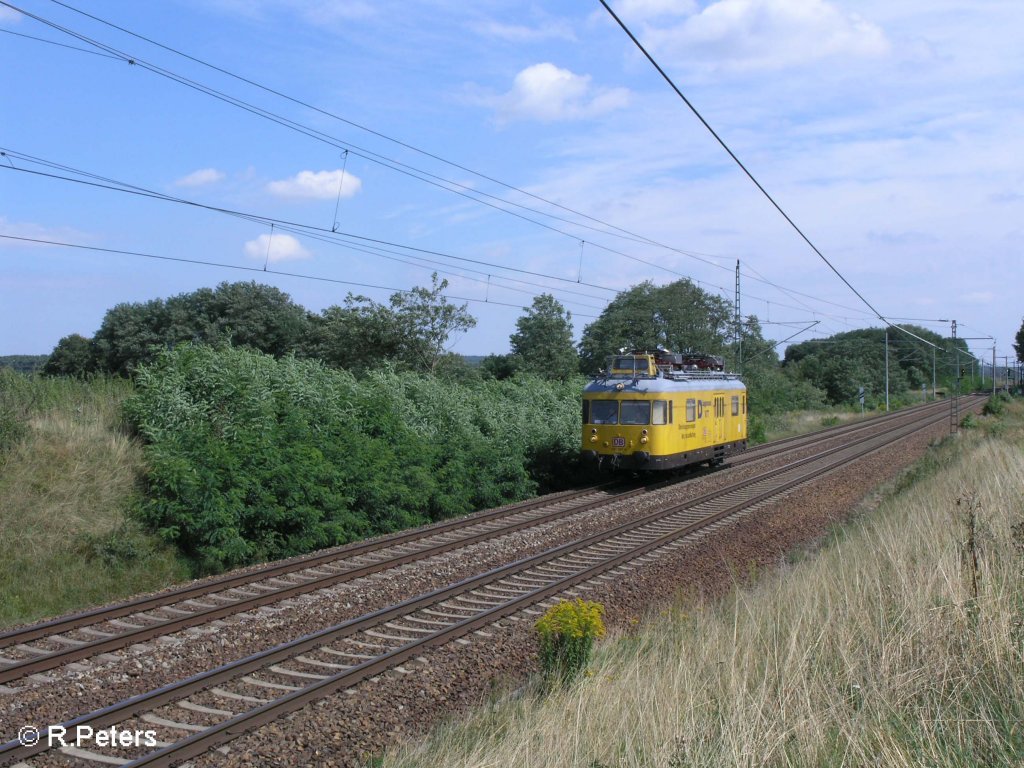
[(199, 614), (795, 442), (84, 649), (536, 578), (170, 597)]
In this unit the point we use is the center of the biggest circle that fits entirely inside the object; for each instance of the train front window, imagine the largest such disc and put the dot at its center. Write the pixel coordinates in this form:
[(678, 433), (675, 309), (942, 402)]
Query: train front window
[(604, 412), (659, 412), (636, 411)]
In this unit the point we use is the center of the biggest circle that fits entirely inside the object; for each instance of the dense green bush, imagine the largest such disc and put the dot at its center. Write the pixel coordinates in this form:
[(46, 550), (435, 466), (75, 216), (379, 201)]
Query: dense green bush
[(996, 404), (253, 458)]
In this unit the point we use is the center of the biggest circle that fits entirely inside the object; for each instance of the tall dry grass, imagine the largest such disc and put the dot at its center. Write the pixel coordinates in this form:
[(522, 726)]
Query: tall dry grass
[(68, 477), (898, 644)]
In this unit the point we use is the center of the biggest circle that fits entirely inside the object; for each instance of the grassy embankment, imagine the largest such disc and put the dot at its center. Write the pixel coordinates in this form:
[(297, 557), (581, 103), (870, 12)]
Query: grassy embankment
[(789, 423), (68, 480), (898, 643)]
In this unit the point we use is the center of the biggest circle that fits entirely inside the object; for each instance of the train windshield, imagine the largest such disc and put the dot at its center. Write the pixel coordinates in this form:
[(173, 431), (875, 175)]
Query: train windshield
[(604, 412), (636, 411)]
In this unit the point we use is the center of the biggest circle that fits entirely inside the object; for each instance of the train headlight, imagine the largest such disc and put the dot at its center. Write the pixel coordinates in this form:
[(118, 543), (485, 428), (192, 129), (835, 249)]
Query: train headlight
[(593, 431), (643, 439), (593, 438), (643, 432)]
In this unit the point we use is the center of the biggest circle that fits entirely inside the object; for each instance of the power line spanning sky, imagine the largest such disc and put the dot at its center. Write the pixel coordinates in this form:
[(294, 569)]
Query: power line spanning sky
[(890, 132)]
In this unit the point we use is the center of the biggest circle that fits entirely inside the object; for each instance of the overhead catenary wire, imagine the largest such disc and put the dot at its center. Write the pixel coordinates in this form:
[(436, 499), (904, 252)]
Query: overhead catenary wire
[(308, 230), (312, 132), (264, 219), (454, 187), (59, 45), (745, 170), (224, 265), (406, 145), (466, 191)]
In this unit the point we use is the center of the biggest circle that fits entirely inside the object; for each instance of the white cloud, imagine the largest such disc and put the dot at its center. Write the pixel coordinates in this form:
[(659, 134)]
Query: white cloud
[(32, 231), (282, 248), (768, 34), (200, 178), (518, 33), (645, 10), (320, 12), (320, 185), (978, 297), (548, 93)]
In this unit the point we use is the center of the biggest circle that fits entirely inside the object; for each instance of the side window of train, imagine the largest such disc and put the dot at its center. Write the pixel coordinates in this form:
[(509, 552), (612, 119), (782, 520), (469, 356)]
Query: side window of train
[(586, 411), (691, 410), (670, 411), (735, 405), (659, 412)]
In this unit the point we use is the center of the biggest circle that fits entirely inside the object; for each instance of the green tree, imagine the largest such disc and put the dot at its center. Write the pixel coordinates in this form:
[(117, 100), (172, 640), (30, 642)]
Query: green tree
[(74, 355), (1018, 343), (679, 316), (357, 336), (542, 343), (770, 388), (242, 314), (426, 320), (130, 334), (498, 367), (258, 316), (410, 331), (843, 362)]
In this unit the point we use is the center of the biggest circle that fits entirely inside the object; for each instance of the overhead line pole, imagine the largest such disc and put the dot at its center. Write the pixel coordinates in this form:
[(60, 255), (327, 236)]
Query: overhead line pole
[(739, 324)]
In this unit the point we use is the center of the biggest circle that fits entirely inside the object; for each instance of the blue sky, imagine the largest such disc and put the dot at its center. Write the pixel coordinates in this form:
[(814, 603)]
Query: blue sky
[(892, 133)]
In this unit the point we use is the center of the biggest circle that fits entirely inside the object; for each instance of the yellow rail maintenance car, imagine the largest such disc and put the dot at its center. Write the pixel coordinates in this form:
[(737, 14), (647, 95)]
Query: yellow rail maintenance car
[(663, 411)]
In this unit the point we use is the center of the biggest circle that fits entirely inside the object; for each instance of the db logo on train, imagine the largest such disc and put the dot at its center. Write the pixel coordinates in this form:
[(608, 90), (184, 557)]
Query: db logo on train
[(618, 442)]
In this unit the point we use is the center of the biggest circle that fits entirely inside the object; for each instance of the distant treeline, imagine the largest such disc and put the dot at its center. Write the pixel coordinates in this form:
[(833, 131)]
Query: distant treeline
[(841, 364), (24, 363), (411, 332)]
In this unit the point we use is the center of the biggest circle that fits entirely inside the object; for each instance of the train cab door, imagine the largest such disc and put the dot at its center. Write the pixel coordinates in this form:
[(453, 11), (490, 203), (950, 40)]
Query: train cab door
[(720, 420)]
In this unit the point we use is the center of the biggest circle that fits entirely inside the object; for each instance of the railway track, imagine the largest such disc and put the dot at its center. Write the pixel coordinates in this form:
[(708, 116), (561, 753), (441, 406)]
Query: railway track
[(46, 646), (830, 433), (76, 637), (195, 715)]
